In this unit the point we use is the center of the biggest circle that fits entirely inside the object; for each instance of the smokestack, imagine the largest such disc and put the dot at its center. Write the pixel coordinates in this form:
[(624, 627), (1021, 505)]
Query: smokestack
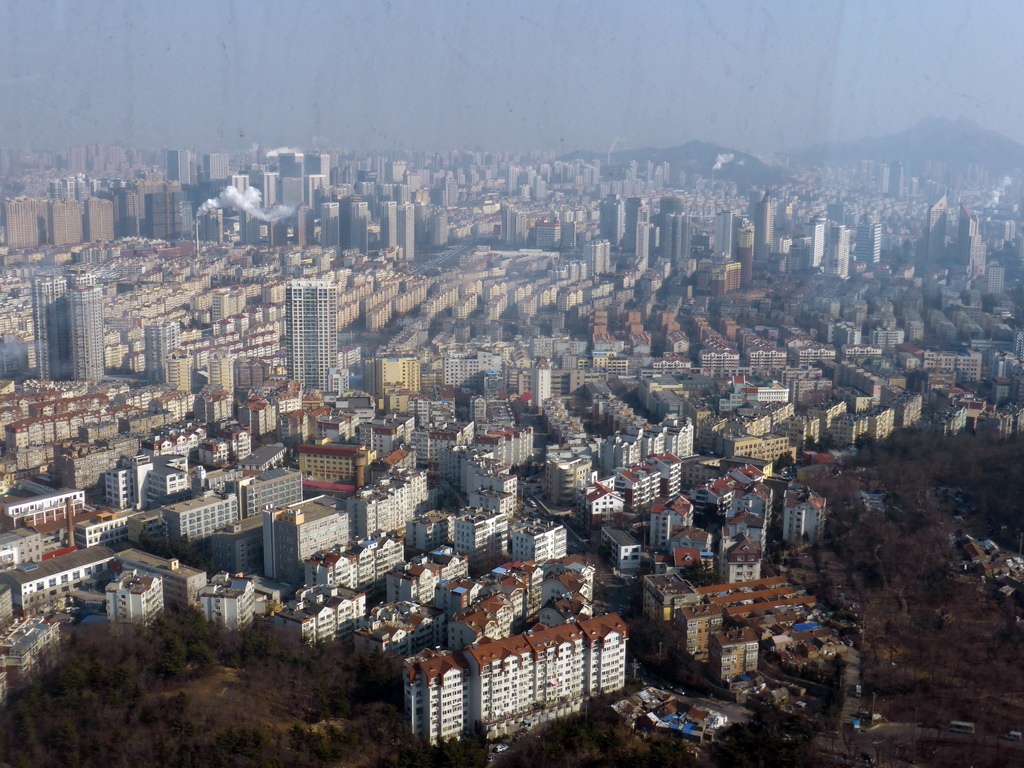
[(69, 510)]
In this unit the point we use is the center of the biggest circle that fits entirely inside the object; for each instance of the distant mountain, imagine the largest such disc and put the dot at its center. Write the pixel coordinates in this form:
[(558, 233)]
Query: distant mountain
[(693, 157), (955, 142)]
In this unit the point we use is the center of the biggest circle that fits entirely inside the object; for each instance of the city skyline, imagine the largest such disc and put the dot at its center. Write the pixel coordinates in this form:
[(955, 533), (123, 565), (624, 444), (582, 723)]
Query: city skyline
[(759, 77)]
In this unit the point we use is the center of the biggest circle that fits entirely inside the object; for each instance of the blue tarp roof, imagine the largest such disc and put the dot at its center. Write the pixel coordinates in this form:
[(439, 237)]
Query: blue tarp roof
[(806, 626)]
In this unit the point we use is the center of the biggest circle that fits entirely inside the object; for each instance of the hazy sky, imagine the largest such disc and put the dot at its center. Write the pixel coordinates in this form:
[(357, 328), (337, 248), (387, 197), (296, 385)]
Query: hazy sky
[(439, 74)]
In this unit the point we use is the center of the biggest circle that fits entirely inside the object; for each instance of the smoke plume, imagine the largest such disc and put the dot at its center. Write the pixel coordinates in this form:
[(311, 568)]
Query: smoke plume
[(721, 160), (998, 192), (250, 202)]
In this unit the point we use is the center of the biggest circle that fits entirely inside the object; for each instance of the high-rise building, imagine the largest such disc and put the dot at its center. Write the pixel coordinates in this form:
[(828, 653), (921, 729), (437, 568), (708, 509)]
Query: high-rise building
[(25, 220), (636, 211), (935, 245), (160, 339), (178, 166), (64, 222), (216, 167), (86, 307), (817, 231), (179, 371), (724, 227), (311, 328), (391, 372), (407, 231), (51, 313), (98, 220), (221, 368), (613, 220), (969, 245), (330, 224), (513, 225), (439, 229), (354, 218), (894, 181), (305, 223), (869, 240), (745, 251), (675, 240), (764, 227), (290, 165), (600, 255), (837, 251), (389, 223)]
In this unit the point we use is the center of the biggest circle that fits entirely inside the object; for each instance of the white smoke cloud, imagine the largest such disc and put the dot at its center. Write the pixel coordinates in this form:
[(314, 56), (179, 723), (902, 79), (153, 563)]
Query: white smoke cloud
[(282, 151), (998, 192), (722, 159), (250, 202)]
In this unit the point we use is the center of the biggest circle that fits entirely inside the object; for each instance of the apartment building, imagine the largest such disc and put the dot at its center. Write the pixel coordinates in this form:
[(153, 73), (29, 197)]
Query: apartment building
[(803, 515), (197, 519), (238, 547), (733, 655), (181, 583), (322, 612), (700, 622), (269, 490), (538, 542), (480, 535), (34, 585), (492, 685), (134, 599), (293, 534), (229, 601)]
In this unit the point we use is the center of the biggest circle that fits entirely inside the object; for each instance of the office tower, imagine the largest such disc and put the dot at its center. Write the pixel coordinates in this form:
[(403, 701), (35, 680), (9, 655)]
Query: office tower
[(98, 220), (935, 244), (178, 166), (315, 186), (540, 383), (240, 181), (816, 230), (268, 186), (869, 240), (388, 224), (317, 164), (969, 245), (634, 206), (292, 190), (129, 211), (675, 240), (548, 235), (52, 316), (160, 339), (25, 221), (613, 220), (63, 222), (304, 225), (311, 331), (86, 308), (217, 167), (894, 182), (407, 230), (184, 224), (600, 255), (764, 227), (330, 223), (513, 226), (724, 226), (837, 251), (745, 251), (290, 165), (836, 212)]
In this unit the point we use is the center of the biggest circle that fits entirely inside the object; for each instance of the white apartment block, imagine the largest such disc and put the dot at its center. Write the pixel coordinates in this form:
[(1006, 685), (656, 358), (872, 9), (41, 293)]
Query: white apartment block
[(538, 542), (33, 585), (197, 519), (229, 601), (493, 684), (389, 504), (323, 612), (363, 566), (803, 515), (134, 599), (480, 534)]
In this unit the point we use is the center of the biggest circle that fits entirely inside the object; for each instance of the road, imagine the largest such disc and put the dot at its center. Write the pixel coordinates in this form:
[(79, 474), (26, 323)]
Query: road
[(446, 256)]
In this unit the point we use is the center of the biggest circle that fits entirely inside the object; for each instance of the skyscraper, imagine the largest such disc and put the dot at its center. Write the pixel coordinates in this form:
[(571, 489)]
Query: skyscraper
[(330, 224), (64, 222), (969, 245), (600, 253), (86, 308), (817, 231), (613, 220), (98, 220), (635, 210), (178, 166), (388, 224), (745, 251), (675, 240), (935, 245), (724, 226), (26, 222), (869, 240), (160, 339), (764, 227), (407, 231), (217, 167), (52, 316), (311, 331), (513, 225), (837, 251)]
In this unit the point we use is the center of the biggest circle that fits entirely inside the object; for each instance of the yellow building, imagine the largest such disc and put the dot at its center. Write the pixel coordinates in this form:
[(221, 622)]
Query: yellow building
[(334, 463), (384, 373)]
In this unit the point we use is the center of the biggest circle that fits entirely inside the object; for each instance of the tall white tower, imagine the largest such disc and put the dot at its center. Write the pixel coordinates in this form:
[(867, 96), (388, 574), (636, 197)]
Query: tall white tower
[(311, 331)]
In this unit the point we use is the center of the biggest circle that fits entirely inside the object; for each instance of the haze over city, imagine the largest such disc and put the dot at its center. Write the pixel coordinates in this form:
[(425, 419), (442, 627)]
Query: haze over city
[(758, 76)]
